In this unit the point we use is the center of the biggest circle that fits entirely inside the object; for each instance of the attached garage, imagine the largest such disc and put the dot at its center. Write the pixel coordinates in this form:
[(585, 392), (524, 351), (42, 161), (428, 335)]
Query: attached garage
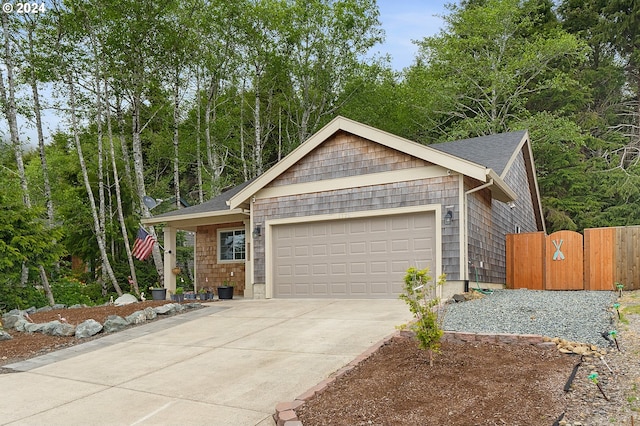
[(357, 257), (347, 212)]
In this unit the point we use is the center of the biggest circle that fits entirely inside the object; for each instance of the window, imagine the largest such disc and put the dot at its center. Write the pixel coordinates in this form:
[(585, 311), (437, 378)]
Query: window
[(231, 245)]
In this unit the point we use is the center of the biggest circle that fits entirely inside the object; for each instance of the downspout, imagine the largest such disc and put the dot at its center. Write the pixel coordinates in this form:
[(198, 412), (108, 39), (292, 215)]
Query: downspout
[(466, 225)]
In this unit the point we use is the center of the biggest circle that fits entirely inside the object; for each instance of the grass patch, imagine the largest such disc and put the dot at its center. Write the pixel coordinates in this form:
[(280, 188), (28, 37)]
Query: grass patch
[(632, 310)]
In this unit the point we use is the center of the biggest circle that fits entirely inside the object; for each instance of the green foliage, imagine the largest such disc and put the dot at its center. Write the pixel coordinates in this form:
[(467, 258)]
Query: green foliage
[(420, 293), (70, 291), (15, 296)]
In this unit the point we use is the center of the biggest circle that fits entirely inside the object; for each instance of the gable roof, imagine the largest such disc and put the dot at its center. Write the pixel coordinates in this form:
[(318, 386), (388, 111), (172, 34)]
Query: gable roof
[(493, 151), (442, 158)]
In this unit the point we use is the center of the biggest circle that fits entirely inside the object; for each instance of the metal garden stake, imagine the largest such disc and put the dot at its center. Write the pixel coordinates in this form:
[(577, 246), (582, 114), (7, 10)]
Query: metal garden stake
[(616, 306)]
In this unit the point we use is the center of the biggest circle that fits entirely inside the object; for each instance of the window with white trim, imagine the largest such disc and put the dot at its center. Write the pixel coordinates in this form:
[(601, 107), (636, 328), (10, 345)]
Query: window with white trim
[(231, 247)]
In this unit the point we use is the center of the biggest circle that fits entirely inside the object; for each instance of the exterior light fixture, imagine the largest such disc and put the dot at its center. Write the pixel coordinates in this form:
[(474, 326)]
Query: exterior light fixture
[(448, 217), (257, 231)]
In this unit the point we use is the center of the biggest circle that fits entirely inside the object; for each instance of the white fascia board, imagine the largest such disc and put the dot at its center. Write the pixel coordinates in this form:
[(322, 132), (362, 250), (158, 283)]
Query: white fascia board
[(193, 216), (500, 190), (406, 146)]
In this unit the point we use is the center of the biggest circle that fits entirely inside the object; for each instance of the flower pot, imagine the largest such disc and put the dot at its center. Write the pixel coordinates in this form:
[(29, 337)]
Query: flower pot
[(178, 298), (225, 292), (159, 293)]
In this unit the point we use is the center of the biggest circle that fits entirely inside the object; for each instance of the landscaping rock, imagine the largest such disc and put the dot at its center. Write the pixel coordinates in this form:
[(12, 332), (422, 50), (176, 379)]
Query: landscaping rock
[(31, 310), (137, 317), (34, 328), (78, 305), (459, 298), (88, 328), (62, 329), (44, 309), (20, 324), (167, 309), (115, 323), (150, 313), (59, 306), (11, 319), (5, 336), (125, 299)]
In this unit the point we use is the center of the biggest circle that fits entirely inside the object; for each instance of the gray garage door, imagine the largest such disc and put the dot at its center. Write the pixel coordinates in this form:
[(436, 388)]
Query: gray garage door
[(351, 258)]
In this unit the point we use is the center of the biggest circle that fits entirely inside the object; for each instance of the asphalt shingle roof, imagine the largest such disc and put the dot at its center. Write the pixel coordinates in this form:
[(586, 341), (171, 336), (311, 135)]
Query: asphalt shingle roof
[(493, 151), (218, 203)]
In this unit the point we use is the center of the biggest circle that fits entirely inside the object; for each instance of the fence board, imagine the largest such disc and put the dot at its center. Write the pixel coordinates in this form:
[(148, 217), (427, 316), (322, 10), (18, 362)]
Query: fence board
[(627, 262), (564, 255), (599, 258), (525, 265)]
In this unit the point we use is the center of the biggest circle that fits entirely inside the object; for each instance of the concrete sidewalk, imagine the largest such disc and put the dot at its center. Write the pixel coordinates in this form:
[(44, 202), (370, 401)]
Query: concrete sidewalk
[(227, 364)]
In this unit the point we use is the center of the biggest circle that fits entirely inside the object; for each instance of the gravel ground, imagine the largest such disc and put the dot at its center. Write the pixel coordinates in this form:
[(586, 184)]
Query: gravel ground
[(580, 316)]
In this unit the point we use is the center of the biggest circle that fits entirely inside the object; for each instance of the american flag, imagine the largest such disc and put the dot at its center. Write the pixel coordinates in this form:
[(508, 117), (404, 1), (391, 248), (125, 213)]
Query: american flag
[(143, 246)]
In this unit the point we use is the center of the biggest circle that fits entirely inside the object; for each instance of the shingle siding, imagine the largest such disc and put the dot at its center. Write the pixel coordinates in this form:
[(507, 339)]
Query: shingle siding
[(490, 221), (351, 156), (344, 155)]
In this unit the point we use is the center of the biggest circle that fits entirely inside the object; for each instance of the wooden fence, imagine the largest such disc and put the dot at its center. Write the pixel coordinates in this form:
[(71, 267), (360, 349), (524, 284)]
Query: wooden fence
[(565, 260)]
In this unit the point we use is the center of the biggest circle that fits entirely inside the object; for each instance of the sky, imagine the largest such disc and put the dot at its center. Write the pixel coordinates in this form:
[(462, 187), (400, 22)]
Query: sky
[(402, 21), (406, 20)]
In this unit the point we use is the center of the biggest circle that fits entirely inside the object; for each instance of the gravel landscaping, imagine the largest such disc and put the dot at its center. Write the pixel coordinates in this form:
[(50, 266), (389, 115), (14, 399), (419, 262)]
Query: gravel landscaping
[(580, 316)]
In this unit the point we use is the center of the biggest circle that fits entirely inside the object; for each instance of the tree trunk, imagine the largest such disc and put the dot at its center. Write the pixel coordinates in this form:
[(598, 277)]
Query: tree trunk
[(257, 148), (138, 168), (116, 178), (176, 161), (198, 141), (45, 170), (87, 184)]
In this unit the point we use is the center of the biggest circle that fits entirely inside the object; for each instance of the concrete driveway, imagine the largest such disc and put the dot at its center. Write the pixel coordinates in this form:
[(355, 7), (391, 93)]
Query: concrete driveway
[(228, 364)]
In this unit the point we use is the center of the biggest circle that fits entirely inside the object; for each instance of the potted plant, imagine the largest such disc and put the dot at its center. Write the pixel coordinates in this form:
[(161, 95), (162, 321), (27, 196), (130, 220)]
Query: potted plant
[(190, 295), (225, 291), (179, 295), (158, 293)]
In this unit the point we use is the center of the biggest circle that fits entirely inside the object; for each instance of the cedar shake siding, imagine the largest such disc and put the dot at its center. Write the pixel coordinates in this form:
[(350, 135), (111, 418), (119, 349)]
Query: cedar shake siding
[(490, 221), (209, 272), (345, 155)]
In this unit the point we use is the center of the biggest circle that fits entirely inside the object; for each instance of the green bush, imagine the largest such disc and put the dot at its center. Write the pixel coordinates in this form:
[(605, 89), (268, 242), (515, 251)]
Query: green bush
[(70, 291), (14, 296)]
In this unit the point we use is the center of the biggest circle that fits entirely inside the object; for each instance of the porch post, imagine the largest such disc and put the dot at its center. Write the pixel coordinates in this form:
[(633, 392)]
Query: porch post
[(169, 259)]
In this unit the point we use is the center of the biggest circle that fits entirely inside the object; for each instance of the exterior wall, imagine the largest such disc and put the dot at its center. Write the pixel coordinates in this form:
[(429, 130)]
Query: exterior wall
[(210, 273), (347, 155), (490, 221)]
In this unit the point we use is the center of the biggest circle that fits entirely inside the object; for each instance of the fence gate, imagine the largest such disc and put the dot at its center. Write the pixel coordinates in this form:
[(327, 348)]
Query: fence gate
[(545, 262), (564, 259)]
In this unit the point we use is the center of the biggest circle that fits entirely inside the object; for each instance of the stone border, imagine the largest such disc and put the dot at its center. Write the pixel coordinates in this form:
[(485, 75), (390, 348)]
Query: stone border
[(285, 414)]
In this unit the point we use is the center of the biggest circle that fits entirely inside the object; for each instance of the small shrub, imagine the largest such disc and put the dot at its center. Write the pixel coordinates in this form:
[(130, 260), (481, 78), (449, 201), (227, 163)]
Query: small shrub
[(69, 291), (420, 295)]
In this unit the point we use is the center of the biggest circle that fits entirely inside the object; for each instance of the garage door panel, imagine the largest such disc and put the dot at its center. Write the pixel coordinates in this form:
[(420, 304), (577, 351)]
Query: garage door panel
[(359, 258)]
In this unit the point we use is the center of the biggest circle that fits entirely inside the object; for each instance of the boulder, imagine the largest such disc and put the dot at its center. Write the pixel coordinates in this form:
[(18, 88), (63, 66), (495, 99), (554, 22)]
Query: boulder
[(62, 329), (125, 299), (31, 310), (78, 305), (150, 313), (11, 319), (34, 328), (20, 324), (169, 308), (115, 323), (88, 328), (44, 309), (59, 306), (138, 317), (459, 298), (5, 336)]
